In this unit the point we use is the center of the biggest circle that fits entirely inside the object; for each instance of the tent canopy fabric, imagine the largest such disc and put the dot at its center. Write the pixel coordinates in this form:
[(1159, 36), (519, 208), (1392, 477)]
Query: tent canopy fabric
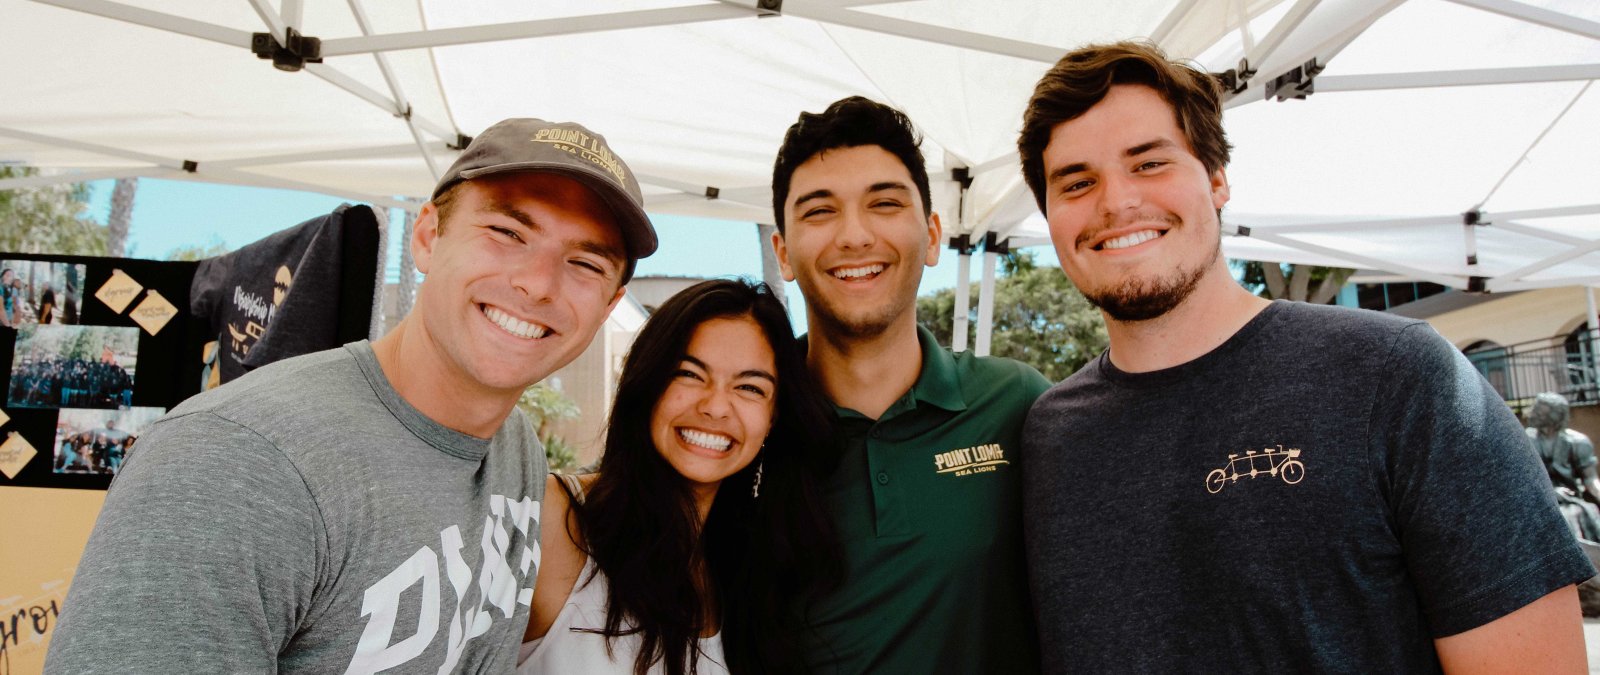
[(1415, 112)]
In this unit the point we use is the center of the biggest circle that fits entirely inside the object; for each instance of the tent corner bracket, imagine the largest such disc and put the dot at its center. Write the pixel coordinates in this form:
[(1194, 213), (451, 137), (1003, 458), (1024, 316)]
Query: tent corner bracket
[(292, 57), (1298, 83), (992, 243)]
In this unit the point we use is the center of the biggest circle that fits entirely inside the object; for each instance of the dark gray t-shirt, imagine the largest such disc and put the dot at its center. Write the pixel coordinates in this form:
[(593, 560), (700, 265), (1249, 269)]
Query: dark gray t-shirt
[(306, 519), (1328, 491)]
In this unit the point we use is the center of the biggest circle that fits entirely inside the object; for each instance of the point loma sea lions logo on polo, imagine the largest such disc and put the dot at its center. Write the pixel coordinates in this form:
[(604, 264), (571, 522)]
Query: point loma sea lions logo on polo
[(968, 461), (585, 146)]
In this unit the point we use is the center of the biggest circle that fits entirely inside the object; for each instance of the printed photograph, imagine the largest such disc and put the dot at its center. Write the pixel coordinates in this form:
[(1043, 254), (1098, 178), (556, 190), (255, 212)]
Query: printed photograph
[(36, 292), (98, 441), (73, 367)]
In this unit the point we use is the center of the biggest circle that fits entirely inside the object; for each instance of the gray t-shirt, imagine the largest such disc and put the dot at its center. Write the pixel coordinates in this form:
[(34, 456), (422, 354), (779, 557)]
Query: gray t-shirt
[(306, 519), (1328, 491)]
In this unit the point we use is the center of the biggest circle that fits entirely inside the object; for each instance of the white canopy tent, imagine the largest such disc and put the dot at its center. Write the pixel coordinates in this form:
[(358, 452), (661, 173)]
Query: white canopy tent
[(1418, 110)]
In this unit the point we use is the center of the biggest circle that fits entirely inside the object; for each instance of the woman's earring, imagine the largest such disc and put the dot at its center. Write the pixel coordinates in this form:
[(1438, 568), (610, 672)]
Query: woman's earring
[(755, 487)]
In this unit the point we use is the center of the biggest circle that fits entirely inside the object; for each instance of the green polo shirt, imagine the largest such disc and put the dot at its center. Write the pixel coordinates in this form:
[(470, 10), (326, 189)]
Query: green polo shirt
[(927, 501)]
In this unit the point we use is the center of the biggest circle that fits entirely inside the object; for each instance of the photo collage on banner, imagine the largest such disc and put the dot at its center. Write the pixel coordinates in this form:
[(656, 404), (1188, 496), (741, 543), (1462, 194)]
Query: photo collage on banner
[(92, 350)]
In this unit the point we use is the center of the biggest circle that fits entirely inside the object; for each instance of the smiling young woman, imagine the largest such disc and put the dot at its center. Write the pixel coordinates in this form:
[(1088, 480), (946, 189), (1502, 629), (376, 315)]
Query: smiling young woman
[(694, 546)]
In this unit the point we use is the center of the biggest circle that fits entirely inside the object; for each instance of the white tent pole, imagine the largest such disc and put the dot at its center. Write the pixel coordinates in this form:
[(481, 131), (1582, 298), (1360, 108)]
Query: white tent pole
[(1469, 235), (1388, 224), (929, 33), (986, 299), (1545, 263), (1280, 32), (1323, 53), (232, 37), (1556, 212), (1536, 141), (1537, 233), (1246, 38), (90, 147), (338, 79), (1016, 242), (1594, 320), (275, 24), (771, 271), (1588, 339), (83, 177), (958, 332), (1457, 78), (1537, 15), (1174, 17), (422, 147), (1007, 160), (221, 175), (1359, 260), (758, 197), (687, 188), (401, 104), (572, 25), (399, 108), (373, 152), (225, 174), (293, 13)]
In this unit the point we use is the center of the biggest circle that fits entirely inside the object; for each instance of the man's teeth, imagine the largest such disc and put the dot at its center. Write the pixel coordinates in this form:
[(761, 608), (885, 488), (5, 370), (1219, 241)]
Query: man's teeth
[(857, 272), (705, 440), (1134, 239), (515, 326)]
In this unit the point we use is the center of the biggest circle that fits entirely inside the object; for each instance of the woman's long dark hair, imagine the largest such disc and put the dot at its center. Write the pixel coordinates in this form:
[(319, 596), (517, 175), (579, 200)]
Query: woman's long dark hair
[(764, 554)]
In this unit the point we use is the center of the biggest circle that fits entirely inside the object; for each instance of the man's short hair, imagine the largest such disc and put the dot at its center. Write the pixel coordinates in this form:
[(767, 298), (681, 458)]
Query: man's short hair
[(1083, 77), (848, 123), (445, 202)]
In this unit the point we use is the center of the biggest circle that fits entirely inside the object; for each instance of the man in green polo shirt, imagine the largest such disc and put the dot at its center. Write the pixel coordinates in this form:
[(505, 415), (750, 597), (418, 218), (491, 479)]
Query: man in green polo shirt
[(926, 492)]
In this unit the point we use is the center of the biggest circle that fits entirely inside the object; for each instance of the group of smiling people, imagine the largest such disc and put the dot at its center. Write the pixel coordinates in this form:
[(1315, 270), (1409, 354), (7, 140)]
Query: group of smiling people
[(859, 499)]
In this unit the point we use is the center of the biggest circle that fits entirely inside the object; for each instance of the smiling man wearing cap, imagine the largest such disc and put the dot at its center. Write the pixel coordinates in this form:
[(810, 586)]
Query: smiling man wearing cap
[(373, 508)]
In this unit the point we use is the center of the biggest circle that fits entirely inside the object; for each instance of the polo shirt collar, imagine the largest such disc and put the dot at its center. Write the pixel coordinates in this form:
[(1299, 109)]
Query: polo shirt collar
[(938, 384)]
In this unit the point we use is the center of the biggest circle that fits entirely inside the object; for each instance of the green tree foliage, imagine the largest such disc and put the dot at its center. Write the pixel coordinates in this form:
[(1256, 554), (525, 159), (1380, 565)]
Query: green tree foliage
[(1040, 318), (47, 219), (1303, 283), (546, 406), (199, 252)]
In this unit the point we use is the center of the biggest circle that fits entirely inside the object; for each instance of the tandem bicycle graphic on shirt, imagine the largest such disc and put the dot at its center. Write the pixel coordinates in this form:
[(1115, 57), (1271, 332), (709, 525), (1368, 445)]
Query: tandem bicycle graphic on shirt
[(1275, 462)]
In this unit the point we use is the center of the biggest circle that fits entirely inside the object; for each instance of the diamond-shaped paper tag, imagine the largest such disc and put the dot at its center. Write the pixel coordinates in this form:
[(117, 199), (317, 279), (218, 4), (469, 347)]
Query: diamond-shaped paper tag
[(154, 312), (118, 291), (15, 453), (4, 418)]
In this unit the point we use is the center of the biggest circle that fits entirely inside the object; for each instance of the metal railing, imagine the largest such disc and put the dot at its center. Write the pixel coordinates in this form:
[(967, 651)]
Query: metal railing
[(1564, 365)]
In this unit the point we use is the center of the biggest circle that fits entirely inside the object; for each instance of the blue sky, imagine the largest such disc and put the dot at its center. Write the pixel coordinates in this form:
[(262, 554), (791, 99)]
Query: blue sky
[(172, 214)]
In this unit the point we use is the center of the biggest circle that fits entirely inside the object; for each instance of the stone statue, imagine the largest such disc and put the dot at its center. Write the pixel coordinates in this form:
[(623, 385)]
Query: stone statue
[(1569, 458)]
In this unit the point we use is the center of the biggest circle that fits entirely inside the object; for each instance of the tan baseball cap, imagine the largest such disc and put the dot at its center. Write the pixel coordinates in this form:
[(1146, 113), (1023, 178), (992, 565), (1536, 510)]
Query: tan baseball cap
[(566, 148)]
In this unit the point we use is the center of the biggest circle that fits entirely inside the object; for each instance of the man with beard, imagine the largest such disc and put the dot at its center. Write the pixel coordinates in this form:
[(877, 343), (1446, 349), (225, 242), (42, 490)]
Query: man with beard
[(923, 487), (1245, 486)]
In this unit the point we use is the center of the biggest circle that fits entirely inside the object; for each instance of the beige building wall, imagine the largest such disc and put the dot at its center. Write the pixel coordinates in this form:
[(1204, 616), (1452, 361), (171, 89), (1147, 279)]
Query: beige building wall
[(1514, 319), (591, 380), (1542, 315)]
